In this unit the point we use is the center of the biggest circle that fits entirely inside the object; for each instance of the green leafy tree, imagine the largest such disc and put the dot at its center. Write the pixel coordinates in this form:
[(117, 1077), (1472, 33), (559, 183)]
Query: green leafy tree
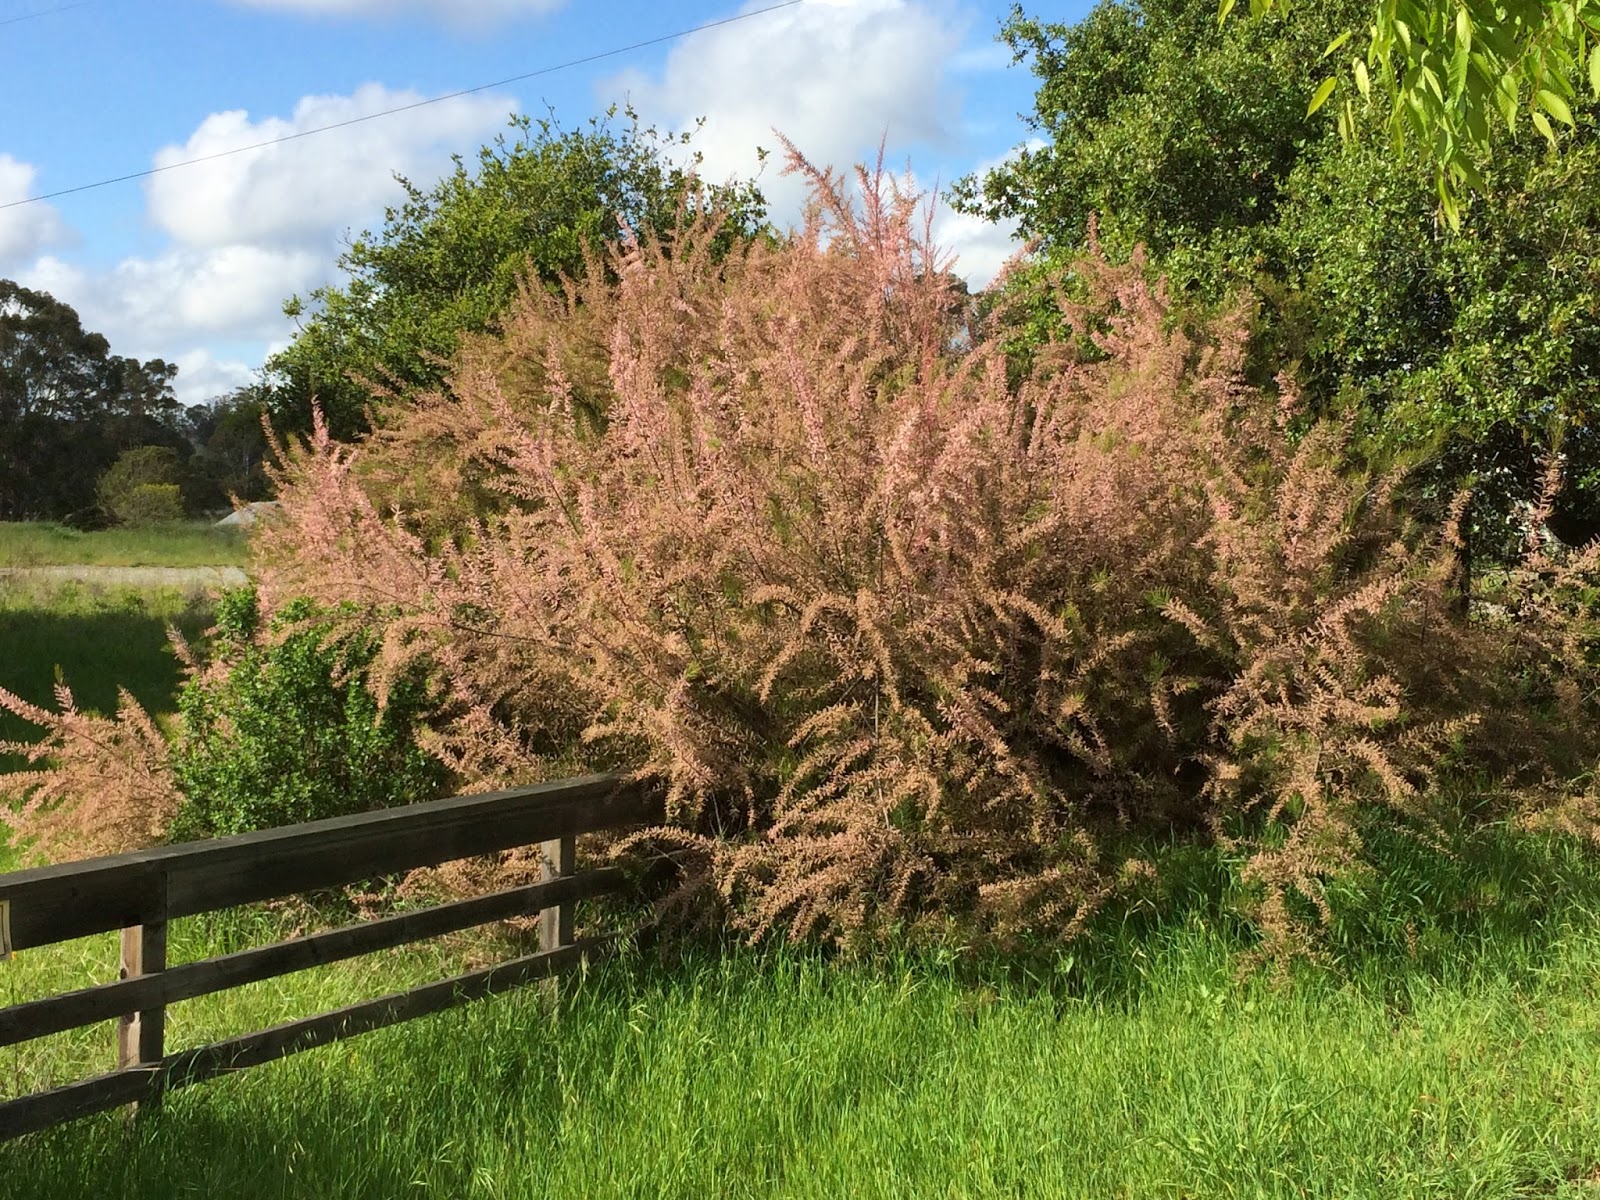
[(1457, 74), (1477, 351), (449, 259), (68, 406), (230, 449), (1474, 350), (283, 728), (1168, 129)]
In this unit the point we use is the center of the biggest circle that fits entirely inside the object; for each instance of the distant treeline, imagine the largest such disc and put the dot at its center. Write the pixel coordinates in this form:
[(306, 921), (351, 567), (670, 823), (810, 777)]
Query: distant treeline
[(69, 408)]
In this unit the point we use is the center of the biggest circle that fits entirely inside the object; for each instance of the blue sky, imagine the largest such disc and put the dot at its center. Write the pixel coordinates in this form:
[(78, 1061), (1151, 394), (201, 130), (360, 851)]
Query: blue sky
[(193, 265)]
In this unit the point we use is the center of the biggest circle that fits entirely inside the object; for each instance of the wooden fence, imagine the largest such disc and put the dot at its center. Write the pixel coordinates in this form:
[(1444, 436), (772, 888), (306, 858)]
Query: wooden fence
[(139, 893)]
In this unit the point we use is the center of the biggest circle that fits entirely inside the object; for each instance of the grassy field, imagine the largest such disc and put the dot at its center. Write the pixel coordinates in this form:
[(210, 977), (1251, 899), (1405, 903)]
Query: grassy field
[(193, 544), (1461, 1059), (96, 638), (1451, 1048)]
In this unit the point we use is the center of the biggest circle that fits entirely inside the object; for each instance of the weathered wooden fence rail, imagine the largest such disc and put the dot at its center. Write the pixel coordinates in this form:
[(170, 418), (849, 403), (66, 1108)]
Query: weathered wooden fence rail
[(139, 893)]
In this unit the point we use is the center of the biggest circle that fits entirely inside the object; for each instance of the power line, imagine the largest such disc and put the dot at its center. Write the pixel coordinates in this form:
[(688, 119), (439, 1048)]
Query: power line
[(47, 12), (389, 112)]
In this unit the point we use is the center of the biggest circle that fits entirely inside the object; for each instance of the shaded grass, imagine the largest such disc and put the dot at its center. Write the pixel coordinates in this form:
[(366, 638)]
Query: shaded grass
[(191, 544), (50, 970), (96, 639), (1452, 1052), (788, 1076)]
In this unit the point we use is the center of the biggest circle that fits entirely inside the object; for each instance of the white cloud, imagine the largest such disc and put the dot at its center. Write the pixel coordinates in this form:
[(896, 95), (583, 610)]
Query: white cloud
[(202, 376), (25, 229), (834, 76), (305, 191), (474, 13), (178, 305), (249, 230), (49, 274), (233, 292), (981, 247), (153, 307)]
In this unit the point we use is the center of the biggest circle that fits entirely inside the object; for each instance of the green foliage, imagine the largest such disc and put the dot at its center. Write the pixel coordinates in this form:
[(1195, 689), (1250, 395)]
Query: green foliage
[(1473, 350), (229, 461), (1459, 74), (149, 504), (68, 406), (450, 258), (282, 727), (1166, 128), (1477, 350), (141, 487)]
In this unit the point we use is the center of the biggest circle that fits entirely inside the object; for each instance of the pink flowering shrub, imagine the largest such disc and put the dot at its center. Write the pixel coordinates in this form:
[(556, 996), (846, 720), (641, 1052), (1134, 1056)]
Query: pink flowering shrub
[(93, 785), (901, 633), (906, 629)]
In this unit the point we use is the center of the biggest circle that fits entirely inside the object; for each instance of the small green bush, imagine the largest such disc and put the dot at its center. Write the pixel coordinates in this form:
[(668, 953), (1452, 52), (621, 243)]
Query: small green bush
[(141, 487), (282, 727), (151, 504)]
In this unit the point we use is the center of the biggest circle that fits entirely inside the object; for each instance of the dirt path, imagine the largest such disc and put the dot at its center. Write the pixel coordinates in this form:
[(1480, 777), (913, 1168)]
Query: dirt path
[(145, 577)]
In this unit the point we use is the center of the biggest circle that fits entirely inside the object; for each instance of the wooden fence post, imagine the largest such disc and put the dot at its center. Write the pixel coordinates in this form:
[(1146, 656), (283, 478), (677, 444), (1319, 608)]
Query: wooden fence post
[(142, 1035), (557, 858)]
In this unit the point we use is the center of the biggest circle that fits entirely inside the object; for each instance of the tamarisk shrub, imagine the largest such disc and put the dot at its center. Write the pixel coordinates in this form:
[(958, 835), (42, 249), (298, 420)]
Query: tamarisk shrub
[(92, 785), (906, 632)]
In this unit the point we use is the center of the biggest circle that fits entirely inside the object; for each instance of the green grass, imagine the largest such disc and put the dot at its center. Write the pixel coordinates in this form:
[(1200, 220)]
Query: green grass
[(46, 971), (192, 544), (97, 638), (1459, 1060), (1452, 1048), (793, 1077)]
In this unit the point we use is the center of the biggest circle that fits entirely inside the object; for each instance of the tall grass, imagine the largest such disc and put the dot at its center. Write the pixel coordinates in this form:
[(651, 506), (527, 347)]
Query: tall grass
[(190, 544), (1457, 1054), (50, 970), (788, 1076)]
